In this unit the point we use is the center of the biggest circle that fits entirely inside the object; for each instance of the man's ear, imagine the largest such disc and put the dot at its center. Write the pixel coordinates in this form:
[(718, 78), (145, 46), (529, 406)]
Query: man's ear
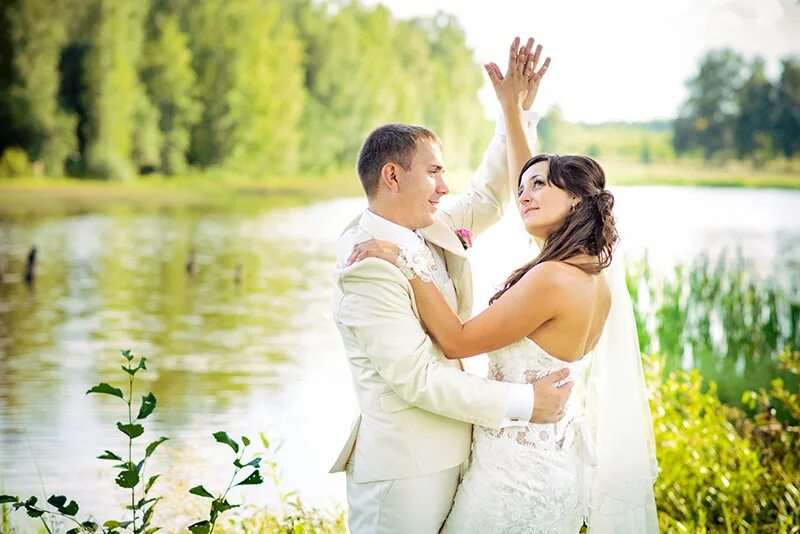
[(389, 177)]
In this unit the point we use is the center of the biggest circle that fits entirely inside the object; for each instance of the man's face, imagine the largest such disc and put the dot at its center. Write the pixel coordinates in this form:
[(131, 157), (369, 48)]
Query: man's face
[(422, 185)]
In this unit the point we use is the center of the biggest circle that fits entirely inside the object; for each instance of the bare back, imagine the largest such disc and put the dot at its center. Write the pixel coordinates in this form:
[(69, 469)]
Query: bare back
[(579, 318)]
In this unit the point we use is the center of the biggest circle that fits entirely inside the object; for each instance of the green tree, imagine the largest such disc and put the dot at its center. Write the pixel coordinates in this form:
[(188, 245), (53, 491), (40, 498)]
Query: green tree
[(354, 76), (710, 111), (39, 30), (754, 121), (122, 130), (247, 57), (787, 108), (171, 85), (452, 107)]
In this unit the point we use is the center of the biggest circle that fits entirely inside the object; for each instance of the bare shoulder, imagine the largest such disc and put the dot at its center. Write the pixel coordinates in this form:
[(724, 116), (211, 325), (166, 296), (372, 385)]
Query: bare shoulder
[(560, 282), (555, 275)]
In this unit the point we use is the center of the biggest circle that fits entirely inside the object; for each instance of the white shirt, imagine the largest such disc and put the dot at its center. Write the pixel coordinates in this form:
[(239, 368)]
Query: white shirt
[(520, 402)]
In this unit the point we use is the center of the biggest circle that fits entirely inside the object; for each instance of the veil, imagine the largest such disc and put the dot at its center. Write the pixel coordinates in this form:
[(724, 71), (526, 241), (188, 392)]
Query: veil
[(618, 414)]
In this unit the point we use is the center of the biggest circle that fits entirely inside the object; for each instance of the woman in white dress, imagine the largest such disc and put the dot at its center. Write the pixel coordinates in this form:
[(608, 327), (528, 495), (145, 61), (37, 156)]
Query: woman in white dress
[(549, 313)]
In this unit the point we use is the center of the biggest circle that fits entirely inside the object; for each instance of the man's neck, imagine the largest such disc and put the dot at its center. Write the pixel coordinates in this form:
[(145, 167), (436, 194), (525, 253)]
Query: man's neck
[(390, 215)]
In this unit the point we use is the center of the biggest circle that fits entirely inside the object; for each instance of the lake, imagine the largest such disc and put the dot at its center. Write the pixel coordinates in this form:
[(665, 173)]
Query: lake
[(246, 343)]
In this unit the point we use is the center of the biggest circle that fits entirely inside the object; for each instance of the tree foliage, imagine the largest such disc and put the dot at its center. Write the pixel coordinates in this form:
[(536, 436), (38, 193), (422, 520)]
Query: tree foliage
[(117, 88), (734, 109)]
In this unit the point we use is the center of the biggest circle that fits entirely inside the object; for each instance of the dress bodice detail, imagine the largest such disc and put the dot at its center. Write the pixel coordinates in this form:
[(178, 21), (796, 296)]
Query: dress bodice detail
[(525, 362), (532, 478)]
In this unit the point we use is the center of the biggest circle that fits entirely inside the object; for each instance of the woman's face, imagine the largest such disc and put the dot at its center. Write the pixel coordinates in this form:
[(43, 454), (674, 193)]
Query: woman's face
[(543, 207)]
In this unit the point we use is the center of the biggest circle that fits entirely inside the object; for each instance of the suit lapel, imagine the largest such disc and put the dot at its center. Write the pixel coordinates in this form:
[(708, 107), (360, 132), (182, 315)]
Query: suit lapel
[(442, 236)]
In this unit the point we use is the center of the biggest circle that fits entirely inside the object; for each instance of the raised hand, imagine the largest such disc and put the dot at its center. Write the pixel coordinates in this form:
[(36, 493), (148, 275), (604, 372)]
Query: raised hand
[(520, 84)]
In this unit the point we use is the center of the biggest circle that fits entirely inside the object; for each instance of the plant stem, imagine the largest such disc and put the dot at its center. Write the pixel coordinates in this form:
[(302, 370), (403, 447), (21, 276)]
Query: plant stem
[(47, 528), (225, 494), (130, 445)]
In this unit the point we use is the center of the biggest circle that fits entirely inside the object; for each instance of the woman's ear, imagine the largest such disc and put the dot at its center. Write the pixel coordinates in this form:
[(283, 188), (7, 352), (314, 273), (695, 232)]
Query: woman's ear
[(389, 177)]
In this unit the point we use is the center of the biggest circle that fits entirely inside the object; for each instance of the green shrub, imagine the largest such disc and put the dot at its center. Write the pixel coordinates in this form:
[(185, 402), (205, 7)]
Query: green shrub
[(14, 162), (721, 470)]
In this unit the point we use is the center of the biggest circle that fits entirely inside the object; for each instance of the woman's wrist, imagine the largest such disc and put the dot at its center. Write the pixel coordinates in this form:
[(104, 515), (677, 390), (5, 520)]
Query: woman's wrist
[(511, 109)]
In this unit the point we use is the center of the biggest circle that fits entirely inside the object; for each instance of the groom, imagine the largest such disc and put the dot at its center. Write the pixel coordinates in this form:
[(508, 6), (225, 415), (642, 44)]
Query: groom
[(405, 451)]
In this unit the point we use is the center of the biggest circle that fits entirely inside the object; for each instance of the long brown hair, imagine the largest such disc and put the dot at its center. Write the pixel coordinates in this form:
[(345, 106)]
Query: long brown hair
[(588, 229)]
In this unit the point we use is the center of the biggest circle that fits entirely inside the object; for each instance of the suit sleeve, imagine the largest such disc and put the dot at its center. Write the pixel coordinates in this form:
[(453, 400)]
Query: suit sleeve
[(488, 194), (377, 307)]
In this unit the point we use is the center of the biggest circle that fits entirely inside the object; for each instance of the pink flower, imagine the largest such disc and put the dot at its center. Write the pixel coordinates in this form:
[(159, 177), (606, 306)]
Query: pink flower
[(465, 236)]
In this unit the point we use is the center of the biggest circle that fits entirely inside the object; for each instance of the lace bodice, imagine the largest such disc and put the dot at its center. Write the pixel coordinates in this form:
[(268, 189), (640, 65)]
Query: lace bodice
[(532, 477), (524, 362)]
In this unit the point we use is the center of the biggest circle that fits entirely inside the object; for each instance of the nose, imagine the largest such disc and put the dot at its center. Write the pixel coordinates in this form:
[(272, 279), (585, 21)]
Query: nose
[(442, 188)]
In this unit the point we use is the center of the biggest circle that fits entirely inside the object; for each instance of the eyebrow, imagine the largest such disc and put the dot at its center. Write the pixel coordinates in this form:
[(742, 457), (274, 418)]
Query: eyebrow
[(528, 179)]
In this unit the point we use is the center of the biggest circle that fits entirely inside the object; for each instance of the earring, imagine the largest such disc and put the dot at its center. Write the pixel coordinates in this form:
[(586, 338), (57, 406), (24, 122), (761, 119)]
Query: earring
[(573, 207)]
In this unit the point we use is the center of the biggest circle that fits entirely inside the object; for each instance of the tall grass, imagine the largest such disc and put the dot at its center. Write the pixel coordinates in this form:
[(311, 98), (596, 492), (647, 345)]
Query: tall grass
[(720, 318)]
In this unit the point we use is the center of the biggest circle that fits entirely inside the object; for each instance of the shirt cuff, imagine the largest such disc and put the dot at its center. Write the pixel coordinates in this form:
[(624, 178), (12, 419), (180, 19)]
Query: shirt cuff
[(520, 406), (531, 119)]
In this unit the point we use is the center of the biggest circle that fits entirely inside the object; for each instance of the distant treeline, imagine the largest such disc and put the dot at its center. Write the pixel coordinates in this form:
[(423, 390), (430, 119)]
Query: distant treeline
[(734, 110), (117, 88)]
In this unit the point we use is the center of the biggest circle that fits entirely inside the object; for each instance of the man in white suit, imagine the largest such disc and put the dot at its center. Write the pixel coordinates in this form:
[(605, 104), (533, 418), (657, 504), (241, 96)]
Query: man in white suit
[(404, 454)]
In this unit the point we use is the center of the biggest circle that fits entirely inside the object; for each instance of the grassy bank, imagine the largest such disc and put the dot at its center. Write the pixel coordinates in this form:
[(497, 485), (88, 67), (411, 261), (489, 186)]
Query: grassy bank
[(211, 190), (695, 173), (202, 191)]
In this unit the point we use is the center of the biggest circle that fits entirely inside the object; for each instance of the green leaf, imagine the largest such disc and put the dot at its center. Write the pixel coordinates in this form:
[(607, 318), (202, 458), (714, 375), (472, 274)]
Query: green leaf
[(252, 463), (252, 480), (201, 491), (75, 530), (108, 390), (264, 440), (139, 466), (152, 447), (142, 503), (201, 527), (148, 405), (33, 512), (90, 525), (220, 506), (132, 431), (127, 354), (150, 483), (8, 498), (142, 361), (58, 501), (111, 524), (127, 479), (246, 441), (222, 437), (108, 455)]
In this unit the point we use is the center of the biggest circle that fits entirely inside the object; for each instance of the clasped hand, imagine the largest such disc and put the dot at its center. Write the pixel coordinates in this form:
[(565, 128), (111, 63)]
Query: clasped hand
[(520, 84)]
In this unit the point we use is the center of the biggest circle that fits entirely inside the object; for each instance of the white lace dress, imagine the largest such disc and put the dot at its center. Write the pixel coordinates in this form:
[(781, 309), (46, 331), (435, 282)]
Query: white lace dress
[(533, 478)]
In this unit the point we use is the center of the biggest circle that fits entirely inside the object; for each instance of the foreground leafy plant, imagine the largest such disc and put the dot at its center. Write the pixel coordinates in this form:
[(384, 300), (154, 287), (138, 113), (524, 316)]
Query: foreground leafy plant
[(220, 504), (130, 474)]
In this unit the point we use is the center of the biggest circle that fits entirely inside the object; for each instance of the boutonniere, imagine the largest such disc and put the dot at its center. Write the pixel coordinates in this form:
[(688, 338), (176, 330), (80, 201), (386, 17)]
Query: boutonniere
[(465, 236)]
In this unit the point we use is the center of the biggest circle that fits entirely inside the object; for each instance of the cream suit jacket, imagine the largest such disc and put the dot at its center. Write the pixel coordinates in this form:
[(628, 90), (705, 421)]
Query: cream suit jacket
[(417, 407)]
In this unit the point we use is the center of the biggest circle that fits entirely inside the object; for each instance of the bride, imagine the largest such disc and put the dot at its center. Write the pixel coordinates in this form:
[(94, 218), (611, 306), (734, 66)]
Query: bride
[(566, 307)]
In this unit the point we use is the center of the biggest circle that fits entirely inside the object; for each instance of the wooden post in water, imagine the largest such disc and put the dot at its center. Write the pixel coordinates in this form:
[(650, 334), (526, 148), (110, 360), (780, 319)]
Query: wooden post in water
[(30, 266)]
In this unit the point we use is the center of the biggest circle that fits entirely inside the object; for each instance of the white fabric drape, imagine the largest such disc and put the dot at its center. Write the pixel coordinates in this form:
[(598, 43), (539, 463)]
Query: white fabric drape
[(618, 413)]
